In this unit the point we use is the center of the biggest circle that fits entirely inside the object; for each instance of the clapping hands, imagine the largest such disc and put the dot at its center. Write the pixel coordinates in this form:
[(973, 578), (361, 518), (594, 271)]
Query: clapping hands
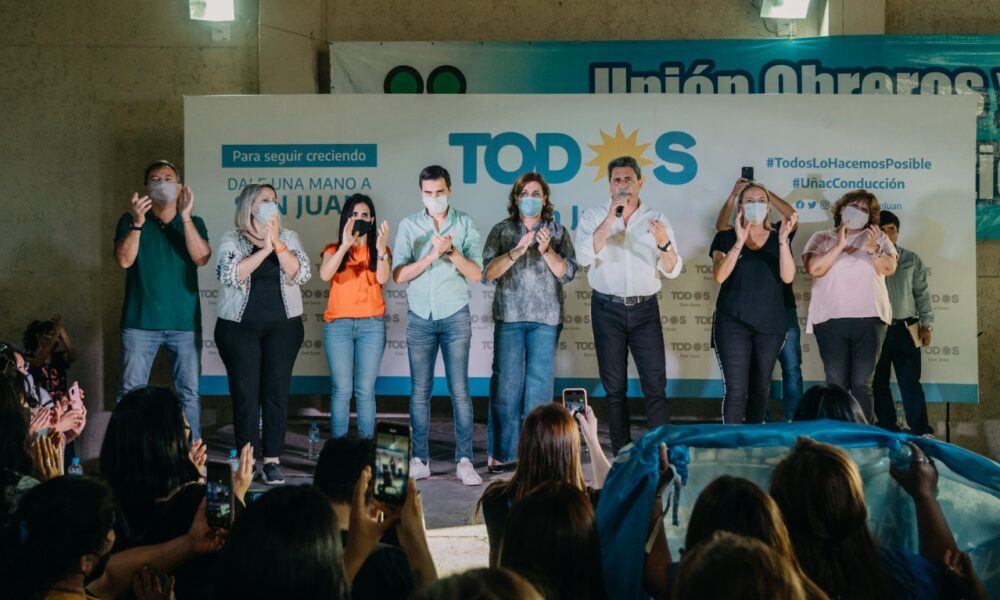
[(787, 226), (442, 244), (872, 236), (185, 203), (383, 237)]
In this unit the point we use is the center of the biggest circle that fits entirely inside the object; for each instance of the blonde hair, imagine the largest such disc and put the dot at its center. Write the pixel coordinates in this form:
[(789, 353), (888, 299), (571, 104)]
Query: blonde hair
[(244, 218), (767, 194)]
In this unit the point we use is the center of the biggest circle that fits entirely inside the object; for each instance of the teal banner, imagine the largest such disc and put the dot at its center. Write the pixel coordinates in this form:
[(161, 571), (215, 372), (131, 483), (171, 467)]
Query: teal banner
[(891, 65)]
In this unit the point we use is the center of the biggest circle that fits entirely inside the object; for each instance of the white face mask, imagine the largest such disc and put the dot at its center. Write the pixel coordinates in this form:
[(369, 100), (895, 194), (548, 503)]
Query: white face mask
[(435, 206), (755, 212), (854, 218), (162, 191), (265, 210)]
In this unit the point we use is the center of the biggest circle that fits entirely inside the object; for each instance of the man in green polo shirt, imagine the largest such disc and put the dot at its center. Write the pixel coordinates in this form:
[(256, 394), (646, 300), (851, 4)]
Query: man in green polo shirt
[(161, 245)]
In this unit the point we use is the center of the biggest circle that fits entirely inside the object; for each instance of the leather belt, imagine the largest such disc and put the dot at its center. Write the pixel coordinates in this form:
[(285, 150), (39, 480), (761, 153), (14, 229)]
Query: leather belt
[(626, 300)]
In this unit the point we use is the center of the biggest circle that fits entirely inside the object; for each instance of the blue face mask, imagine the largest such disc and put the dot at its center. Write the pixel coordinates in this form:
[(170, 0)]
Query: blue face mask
[(265, 210), (529, 206)]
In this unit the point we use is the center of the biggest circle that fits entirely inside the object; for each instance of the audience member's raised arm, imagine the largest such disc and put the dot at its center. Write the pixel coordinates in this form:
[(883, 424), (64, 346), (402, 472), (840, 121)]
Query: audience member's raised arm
[(413, 538), (920, 482), (655, 573), (598, 461), (365, 530), (160, 558)]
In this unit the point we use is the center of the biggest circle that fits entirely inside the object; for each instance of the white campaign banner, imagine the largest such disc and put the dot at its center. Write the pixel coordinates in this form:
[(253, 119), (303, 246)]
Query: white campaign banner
[(912, 152)]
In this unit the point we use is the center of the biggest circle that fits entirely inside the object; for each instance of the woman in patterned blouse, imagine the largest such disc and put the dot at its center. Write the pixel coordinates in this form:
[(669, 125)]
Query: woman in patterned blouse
[(529, 257)]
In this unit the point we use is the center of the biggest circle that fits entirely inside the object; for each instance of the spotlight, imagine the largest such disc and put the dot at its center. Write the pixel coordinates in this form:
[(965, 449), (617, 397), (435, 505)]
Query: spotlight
[(212, 10), (784, 9)]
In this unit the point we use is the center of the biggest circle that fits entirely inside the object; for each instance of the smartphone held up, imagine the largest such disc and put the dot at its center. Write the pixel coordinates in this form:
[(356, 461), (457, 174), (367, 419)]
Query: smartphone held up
[(575, 400), (219, 494), (391, 462)]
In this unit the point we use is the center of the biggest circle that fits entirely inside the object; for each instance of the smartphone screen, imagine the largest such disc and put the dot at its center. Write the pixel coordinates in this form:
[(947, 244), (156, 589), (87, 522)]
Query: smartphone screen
[(219, 494), (747, 173), (391, 468), (574, 399)]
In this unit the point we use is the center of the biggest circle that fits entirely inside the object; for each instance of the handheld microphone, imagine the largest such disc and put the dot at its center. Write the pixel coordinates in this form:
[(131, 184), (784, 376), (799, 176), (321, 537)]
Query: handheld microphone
[(621, 209)]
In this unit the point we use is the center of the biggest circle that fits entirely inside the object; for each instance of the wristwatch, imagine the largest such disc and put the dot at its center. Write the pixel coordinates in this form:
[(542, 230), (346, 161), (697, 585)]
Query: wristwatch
[(666, 247), (449, 251), (135, 227)]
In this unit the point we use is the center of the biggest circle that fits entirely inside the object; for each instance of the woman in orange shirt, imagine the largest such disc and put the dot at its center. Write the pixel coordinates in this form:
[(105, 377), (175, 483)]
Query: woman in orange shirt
[(354, 332)]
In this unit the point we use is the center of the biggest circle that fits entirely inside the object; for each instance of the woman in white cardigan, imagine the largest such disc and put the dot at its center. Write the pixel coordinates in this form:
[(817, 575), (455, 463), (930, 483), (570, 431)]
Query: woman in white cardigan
[(259, 328)]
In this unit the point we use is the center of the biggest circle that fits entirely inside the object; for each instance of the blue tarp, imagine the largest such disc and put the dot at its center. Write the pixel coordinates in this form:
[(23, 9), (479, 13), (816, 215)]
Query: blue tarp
[(968, 489)]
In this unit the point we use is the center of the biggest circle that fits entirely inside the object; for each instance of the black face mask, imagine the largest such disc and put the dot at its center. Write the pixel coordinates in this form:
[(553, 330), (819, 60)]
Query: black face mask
[(98, 570), (361, 228)]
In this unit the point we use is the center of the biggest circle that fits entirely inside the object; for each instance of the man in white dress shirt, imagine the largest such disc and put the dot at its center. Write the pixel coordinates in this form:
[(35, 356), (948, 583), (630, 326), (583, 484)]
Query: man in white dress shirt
[(627, 245)]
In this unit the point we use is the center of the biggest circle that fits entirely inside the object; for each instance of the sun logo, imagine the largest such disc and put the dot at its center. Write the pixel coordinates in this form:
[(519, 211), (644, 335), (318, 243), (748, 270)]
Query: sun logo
[(613, 147)]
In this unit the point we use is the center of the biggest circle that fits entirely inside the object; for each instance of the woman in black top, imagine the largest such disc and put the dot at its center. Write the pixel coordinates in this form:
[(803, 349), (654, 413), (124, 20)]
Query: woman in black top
[(259, 328), (146, 459), (751, 261)]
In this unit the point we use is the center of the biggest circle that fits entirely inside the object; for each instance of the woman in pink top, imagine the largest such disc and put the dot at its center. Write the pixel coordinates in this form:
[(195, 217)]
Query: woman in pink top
[(850, 310)]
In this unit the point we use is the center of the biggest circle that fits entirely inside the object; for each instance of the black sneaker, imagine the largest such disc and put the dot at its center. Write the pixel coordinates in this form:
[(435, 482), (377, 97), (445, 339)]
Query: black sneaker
[(273, 474)]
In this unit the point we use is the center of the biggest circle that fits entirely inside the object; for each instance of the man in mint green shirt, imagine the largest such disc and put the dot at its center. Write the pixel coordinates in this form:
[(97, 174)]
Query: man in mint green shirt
[(161, 244), (437, 252)]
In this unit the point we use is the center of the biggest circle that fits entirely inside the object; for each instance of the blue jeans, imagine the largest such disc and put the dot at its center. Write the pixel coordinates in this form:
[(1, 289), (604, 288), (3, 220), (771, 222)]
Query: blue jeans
[(139, 348), (791, 365), (523, 378), (423, 338), (353, 349)]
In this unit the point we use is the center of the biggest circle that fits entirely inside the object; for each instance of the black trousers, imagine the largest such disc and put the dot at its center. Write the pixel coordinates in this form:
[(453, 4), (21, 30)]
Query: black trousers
[(850, 349), (259, 358), (899, 353), (619, 329), (747, 358)]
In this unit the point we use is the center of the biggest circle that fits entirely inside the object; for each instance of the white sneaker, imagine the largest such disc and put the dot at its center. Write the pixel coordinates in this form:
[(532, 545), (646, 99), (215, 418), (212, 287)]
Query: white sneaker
[(418, 470), (467, 473)]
